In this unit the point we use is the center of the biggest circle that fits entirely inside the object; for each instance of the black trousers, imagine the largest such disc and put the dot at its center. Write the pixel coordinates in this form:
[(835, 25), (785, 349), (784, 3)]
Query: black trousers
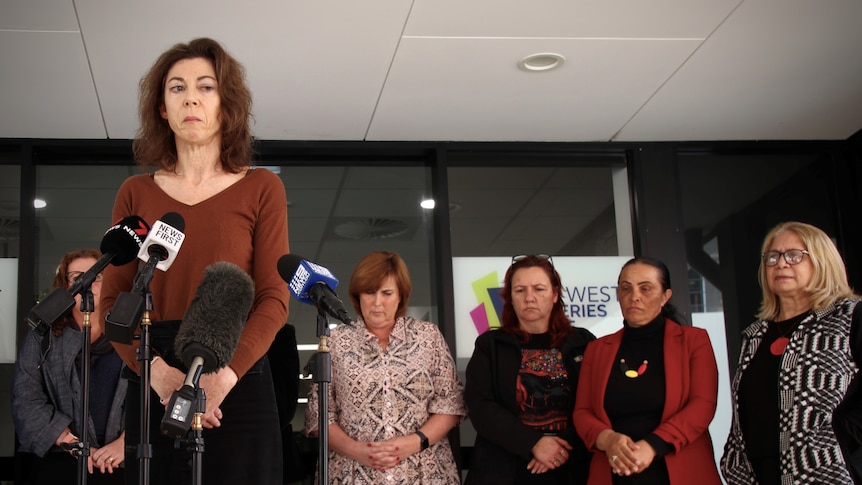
[(246, 448), (61, 468)]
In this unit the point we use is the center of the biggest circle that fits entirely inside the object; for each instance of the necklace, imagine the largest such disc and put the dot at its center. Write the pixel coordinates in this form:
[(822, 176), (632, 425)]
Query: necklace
[(777, 347), (632, 373)]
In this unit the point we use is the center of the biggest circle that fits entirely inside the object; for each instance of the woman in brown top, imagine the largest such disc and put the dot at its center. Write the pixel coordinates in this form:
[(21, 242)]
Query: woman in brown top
[(194, 110)]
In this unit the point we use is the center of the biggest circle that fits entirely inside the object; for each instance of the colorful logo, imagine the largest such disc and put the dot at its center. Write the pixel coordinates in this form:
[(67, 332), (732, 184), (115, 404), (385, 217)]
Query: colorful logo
[(487, 314)]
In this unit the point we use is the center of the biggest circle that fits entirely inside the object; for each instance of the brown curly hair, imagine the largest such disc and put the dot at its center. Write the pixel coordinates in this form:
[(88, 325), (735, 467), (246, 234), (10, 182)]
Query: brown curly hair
[(60, 281), (154, 144)]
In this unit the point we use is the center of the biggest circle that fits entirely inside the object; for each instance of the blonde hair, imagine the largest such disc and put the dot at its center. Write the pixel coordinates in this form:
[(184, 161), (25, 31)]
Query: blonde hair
[(829, 281)]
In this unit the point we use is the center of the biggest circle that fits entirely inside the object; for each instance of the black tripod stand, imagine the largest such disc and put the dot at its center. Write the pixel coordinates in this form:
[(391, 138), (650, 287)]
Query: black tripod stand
[(322, 377), (81, 448)]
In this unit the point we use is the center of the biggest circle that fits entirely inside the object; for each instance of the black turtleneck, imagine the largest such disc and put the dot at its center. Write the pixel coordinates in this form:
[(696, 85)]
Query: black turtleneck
[(635, 405), (759, 402)]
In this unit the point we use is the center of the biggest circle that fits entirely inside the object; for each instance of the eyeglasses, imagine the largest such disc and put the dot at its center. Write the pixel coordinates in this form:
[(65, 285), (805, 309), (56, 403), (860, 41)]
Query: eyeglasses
[(72, 276), (791, 256), (521, 257)]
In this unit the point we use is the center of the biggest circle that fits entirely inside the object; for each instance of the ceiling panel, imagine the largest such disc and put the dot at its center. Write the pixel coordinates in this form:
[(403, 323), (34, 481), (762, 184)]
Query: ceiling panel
[(38, 15), (315, 68), (748, 82), (567, 18), (472, 89), (47, 90)]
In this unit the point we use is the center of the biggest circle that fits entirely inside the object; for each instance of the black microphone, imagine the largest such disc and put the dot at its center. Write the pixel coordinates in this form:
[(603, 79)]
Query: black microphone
[(208, 336), (313, 284), (158, 250), (119, 246)]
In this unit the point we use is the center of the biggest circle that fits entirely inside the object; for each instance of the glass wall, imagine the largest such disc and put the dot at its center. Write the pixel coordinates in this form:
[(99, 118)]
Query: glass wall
[(10, 223)]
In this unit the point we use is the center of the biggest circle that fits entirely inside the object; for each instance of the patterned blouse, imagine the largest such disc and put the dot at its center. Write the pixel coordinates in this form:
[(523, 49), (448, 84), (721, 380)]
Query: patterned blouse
[(377, 395)]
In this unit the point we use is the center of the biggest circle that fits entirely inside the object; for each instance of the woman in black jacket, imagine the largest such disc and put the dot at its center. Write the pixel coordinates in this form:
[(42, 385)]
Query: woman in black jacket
[(521, 381)]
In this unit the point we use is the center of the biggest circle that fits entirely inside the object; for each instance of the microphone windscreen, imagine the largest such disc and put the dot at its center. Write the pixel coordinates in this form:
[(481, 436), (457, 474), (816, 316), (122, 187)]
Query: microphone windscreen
[(215, 317), (174, 220), (124, 239), (287, 266), (301, 275)]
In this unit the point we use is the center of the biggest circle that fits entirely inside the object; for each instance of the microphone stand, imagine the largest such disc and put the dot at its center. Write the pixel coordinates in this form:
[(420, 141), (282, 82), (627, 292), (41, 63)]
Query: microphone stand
[(81, 449), (145, 449), (322, 377), (197, 440)]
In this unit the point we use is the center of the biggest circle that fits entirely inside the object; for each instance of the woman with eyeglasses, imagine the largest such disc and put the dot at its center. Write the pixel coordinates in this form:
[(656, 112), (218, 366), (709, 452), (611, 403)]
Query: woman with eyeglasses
[(520, 385), (797, 415), (46, 391), (649, 391)]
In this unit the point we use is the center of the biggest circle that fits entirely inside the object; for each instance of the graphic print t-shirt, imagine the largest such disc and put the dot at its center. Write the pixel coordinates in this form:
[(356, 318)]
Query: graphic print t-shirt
[(544, 396)]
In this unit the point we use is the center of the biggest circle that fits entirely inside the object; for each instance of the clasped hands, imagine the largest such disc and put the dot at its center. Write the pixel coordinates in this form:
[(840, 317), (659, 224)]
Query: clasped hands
[(216, 385), (625, 456), (549, 452), (382, 455)]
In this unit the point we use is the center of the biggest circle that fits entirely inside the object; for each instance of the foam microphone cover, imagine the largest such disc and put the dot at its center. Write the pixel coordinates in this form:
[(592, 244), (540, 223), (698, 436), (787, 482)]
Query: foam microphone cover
[(124, 239), (213, 323)]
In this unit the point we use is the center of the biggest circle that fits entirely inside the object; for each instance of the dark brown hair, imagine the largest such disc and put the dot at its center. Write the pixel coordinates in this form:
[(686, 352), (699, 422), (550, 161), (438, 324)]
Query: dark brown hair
[(668, 310), (154, 145), (61, 281), (558, 326), (370, 272)]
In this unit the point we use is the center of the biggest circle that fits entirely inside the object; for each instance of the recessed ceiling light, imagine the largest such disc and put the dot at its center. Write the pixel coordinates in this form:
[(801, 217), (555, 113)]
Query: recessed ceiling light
[(427, 204), (39, 203), (543, 61)]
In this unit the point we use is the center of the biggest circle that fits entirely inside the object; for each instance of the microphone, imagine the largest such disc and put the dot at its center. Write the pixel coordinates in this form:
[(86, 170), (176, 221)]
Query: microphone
[(164, 241), (312, 284), (158, 250), (208, 336), (119, 246)]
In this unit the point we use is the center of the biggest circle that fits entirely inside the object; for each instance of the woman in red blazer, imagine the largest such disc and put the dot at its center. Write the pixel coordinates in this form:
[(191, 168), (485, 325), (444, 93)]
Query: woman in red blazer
[(648, 392)]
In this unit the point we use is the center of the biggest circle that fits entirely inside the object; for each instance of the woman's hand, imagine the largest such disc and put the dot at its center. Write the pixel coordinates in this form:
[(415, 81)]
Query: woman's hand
[(66, 438), (165, 379), (217, 385), (624, 455), (549, 452), (392, 452), (109, 457)]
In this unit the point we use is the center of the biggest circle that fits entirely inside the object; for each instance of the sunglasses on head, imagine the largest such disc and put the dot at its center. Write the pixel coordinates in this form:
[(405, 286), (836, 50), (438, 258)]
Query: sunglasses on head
[(521, 257)]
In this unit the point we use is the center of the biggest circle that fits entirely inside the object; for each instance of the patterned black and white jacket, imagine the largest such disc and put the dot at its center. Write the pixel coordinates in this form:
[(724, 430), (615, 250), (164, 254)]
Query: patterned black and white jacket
[(817, 368)]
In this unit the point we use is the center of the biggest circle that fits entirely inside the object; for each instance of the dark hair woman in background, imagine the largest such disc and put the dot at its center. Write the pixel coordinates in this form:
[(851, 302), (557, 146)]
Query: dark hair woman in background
[(521, 383), (648, 392), (46, 391)]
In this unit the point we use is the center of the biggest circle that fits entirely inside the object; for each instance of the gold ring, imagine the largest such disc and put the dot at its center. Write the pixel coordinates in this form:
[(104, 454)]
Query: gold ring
[(613, 458), (111, 459)]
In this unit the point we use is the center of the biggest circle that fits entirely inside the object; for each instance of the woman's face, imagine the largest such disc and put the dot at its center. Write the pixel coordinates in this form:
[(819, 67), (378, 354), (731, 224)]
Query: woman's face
[(786, 280), (640, 294), (533, 298), (192, 102), (75, 269), (380, 306)]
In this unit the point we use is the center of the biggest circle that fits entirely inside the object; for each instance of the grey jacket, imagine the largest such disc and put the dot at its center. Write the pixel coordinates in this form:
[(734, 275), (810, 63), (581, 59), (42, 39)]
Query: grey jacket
[(47, 399)]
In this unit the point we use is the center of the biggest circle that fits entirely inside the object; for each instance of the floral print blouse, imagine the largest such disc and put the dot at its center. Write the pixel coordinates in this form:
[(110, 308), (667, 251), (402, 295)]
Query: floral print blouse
[(376, 395)]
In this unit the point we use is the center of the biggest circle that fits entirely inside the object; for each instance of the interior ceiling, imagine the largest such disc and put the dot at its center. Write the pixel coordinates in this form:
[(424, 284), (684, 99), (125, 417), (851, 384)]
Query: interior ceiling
[(385, 70)]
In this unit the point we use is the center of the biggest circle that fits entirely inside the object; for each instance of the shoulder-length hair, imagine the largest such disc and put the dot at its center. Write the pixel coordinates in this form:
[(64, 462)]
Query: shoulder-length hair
[(370, 272), (829, 280), (61, 276), (154, 144), (558, 325)]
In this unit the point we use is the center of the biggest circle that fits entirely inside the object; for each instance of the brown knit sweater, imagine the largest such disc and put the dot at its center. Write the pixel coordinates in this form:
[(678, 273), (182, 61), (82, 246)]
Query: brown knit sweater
[(245, 224)]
